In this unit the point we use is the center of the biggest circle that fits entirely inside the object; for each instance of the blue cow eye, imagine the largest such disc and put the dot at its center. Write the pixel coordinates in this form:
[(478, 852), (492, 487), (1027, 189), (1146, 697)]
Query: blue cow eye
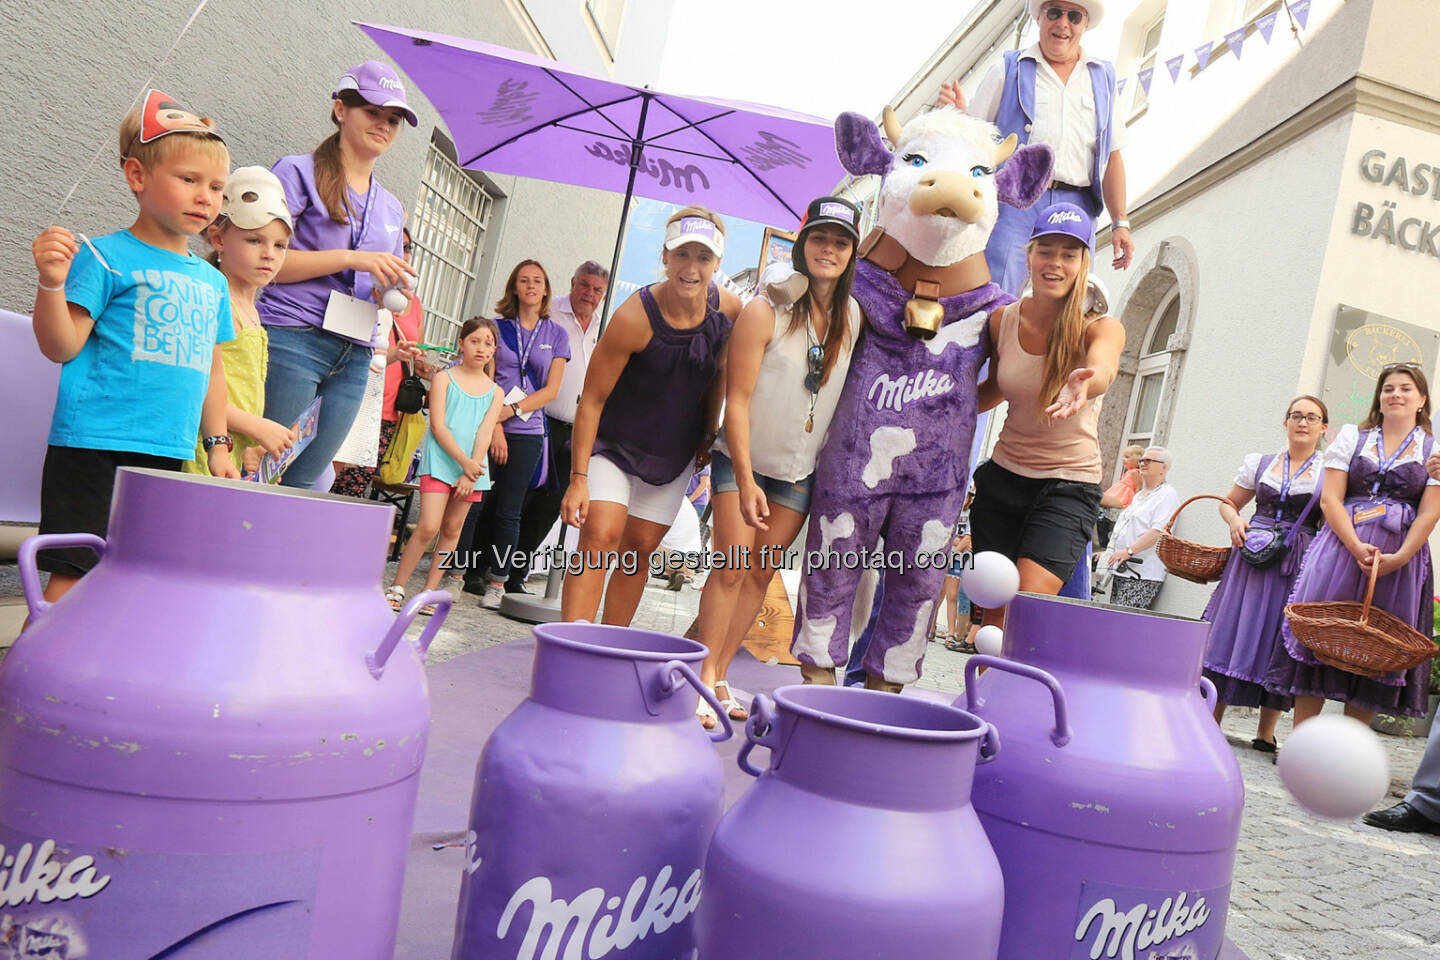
[(914, 159), (978, 171)]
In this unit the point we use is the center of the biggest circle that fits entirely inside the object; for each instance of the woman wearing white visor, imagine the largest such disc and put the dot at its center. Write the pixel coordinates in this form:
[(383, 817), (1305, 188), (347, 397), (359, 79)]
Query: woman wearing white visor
[(649, 410)]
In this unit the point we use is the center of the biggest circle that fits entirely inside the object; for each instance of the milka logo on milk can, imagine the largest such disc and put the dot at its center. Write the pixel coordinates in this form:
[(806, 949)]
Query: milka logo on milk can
[(1125, 926), (29, 875), (573, 922)]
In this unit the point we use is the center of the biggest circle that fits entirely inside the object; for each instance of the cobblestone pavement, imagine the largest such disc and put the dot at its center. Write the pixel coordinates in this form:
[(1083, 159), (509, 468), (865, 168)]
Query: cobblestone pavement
[(1304, 889)]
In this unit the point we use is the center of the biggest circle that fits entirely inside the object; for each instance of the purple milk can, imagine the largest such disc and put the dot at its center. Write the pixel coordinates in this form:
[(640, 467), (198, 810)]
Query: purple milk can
[(210, 747), (859, 840), (1115, 807), (593, 805)]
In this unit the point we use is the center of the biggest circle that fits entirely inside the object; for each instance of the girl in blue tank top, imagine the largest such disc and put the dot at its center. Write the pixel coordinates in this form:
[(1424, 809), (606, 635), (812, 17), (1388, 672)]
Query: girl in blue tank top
[(649, 411), (464, 408)]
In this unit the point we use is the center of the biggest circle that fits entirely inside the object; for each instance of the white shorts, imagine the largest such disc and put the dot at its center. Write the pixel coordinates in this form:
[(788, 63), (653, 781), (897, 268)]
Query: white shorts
[(646, 501)]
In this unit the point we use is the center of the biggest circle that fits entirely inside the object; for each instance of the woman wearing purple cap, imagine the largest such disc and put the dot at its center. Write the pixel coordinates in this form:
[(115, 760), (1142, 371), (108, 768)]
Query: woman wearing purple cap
[(347, 250), (650, 408), (1037, 498)]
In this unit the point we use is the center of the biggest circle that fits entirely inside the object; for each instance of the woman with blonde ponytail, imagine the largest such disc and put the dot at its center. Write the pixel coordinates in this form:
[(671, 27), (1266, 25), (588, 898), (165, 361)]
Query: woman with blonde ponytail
[(1037, 498), (321, 311)]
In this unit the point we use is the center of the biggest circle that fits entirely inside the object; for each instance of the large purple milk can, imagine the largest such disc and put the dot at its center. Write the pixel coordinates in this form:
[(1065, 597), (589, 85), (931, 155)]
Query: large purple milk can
[(859, 840), (593, 804), (1115, 806), (210, 747)]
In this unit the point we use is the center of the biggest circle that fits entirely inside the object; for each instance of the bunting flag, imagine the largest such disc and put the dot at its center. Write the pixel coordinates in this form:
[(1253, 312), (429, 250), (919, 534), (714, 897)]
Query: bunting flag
[(1120, 85), (1145, 76), (1202, 53), (1300, 10), (1174, 66), (1266, 24), (1235, 40)]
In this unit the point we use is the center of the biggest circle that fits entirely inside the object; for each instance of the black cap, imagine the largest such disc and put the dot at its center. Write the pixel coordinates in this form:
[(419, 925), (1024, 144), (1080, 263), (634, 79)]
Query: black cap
[(836, 210)]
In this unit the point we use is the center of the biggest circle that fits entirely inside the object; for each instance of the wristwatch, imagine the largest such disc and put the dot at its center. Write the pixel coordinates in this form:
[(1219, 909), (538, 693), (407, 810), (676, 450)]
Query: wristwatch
[(212, 442), (1121, 224)]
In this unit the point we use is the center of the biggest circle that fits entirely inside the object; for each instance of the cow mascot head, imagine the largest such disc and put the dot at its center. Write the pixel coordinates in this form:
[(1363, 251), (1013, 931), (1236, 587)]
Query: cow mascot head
[(895, 464)]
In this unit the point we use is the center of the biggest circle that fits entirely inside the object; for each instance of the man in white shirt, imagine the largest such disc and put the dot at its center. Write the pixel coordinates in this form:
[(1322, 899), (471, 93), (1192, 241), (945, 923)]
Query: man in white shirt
[(576, 315), (1138, 529), (1053, 93)]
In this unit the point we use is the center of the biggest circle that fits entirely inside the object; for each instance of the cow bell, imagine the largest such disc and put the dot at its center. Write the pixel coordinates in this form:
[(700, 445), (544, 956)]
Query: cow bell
[(923, 313)]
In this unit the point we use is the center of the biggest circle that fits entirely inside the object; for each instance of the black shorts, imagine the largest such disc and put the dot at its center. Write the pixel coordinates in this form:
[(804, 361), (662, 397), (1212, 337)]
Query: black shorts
[(75, 489), (1045, 520)]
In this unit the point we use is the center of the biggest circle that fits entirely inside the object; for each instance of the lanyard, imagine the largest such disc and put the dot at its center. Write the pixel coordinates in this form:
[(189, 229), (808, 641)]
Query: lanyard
[(1387, 462), (1287, 478), (357, 238), (524, 349)]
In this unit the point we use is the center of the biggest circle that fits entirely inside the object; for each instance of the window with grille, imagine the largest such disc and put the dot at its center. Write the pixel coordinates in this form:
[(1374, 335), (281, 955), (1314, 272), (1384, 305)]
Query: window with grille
[(448, 229), (1149, 56)]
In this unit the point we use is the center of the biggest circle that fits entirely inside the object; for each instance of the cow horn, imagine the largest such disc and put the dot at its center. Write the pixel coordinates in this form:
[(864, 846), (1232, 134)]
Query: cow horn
[(892, 126), (1005, 148)]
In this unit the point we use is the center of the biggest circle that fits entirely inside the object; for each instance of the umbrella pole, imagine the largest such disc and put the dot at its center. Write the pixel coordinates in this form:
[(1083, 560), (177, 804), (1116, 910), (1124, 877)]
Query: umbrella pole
[(637, 149)]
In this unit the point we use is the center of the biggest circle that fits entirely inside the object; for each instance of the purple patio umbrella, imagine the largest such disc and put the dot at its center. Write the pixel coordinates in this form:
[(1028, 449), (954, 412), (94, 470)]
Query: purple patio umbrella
[(515, 113)]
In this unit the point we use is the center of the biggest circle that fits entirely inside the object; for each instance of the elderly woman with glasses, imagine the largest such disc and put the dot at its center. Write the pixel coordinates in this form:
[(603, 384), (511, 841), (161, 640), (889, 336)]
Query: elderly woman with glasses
[(787, 364), (1247, 609), (1138, 571), (1380, 508)]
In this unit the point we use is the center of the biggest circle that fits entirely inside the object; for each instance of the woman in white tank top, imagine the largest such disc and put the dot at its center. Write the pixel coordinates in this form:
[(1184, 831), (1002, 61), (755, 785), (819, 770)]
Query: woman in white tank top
[(786, 367), (1037, 498)]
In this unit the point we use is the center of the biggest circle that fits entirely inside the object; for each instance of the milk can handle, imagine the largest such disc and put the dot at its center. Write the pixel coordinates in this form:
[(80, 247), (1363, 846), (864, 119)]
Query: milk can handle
[(668, 685), (759, 732), (30, 575), (375, 662), (1207, 692), (1062, 733), (989, 745)]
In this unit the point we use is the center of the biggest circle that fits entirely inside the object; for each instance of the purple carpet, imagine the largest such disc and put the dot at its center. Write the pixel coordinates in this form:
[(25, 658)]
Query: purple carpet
[(469, 696)]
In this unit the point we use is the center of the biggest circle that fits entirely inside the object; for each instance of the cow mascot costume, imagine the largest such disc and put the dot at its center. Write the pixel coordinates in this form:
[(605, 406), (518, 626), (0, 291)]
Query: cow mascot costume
[(896, 463)]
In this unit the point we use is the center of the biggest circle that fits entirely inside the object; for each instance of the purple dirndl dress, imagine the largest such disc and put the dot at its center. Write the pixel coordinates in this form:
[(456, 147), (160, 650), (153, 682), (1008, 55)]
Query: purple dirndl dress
[(1330, 572), (1248, 606)]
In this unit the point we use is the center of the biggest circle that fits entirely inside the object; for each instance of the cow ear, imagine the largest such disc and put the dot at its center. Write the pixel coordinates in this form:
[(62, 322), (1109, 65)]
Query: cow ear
[(858, 145), (1025, 176)]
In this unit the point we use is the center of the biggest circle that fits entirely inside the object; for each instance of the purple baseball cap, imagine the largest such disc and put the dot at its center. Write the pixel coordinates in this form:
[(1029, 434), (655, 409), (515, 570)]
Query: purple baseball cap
[(379, 85), (1065, 219)]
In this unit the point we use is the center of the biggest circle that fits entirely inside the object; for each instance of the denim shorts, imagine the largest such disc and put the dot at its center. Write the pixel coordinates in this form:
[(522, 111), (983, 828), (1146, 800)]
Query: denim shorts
[(793, 496)]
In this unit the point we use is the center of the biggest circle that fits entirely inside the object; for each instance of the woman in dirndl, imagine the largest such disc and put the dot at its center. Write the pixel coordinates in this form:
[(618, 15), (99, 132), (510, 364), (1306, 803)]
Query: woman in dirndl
[(1378, 503), (1248, 606)]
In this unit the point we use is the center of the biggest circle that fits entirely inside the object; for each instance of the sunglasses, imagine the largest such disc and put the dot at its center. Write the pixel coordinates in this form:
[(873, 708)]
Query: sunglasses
[(815, 359), (1076, 17), (1145, 461), (1297, 417), (1406, 365)]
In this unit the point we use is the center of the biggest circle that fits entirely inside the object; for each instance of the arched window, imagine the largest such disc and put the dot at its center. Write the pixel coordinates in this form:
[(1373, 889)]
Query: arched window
[(1151, 373)]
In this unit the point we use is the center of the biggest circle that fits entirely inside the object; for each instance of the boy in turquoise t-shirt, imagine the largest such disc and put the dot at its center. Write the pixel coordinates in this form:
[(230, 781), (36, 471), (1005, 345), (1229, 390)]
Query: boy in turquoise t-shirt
[(136, 320)]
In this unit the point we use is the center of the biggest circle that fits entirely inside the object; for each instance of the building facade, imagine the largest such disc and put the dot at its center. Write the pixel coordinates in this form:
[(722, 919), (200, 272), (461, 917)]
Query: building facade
[(265, 70), (1285, 207)]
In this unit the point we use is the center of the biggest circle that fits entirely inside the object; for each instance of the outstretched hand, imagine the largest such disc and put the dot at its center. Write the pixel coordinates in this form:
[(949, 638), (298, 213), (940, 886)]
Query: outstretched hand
[(1073, 395)]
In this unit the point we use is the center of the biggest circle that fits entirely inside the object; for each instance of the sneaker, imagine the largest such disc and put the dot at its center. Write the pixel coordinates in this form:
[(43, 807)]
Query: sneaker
[(474, 586), (493, 595), (516, 588)]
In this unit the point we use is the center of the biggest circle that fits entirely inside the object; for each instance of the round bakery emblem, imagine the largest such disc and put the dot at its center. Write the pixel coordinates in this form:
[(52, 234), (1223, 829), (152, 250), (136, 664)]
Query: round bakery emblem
[(1374, 346)]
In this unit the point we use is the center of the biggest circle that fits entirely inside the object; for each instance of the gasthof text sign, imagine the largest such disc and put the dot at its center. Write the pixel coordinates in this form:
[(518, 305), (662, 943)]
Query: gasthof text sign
[(1361, 345)]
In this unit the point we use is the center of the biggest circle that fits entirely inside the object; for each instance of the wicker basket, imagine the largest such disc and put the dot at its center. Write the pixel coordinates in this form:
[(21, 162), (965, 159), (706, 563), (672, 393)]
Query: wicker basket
[(1356, 637), (1187, 559)]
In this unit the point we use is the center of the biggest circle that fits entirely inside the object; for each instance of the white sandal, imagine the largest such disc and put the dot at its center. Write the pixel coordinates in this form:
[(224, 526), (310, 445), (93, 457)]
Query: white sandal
[(731, 705), (706, 714), (395, 596)]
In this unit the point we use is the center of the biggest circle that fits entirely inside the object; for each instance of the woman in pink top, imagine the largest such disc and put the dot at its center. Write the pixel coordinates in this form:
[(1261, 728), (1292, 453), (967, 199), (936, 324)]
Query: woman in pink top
[(1037, 498)]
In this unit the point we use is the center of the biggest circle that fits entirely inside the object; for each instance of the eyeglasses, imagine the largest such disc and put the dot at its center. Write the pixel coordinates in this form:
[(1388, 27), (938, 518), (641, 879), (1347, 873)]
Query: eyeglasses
[(1076, 17), (815, 359), (1298, 417), (1146, 461)]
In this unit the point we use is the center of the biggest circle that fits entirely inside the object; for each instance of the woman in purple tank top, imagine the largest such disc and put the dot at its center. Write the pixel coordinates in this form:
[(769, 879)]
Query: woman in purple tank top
[(649, 411)]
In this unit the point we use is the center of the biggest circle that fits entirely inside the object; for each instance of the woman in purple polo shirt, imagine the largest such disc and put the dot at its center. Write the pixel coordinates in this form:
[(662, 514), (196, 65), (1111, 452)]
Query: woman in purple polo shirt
[(346, 251), (529, 365)]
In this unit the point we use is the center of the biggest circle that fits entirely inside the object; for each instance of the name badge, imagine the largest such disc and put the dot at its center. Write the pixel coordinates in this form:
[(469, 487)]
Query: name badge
[(1369, 513), (351, 317)]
